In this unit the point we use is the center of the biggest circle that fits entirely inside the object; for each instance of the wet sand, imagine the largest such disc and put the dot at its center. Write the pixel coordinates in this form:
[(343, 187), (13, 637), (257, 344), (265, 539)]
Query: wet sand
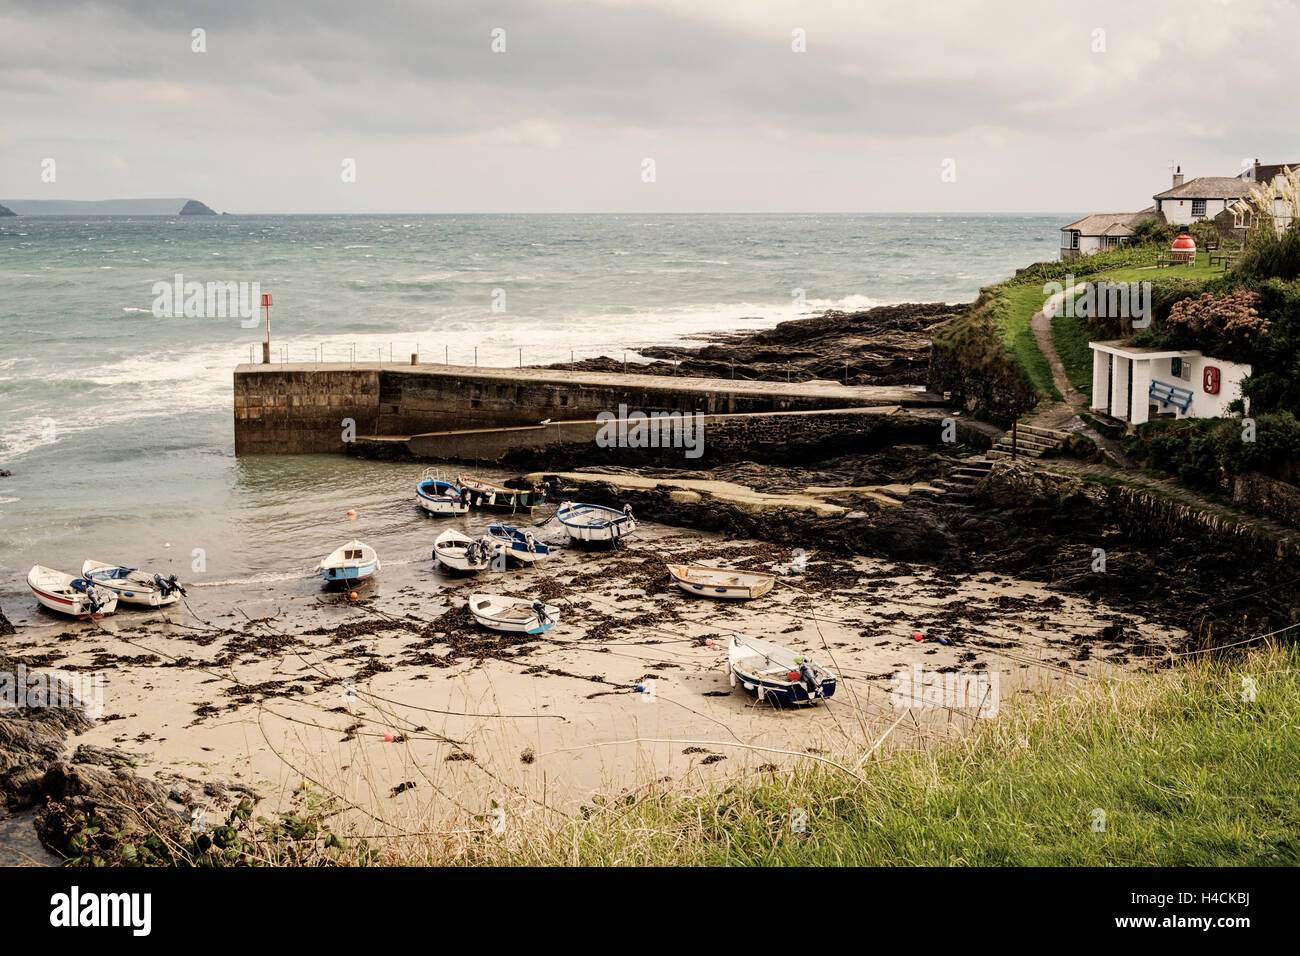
[(269, 685)]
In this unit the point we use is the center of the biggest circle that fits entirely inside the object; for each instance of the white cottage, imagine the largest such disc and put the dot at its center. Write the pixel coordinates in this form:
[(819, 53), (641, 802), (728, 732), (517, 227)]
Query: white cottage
[(1197, 200), (1135, 384), (1101, 231)]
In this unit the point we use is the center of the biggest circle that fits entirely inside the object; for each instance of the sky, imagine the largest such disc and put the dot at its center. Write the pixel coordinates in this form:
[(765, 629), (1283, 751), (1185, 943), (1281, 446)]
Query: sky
[(641, 105)]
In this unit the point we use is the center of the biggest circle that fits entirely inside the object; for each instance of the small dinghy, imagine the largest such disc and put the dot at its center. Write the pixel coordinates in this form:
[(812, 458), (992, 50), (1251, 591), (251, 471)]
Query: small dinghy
[(485, 494), (595, 522), (355, 561), (440, 497), (520, 545), (721, 582), (77, 597), (768, 670), (133, 586), (460, 552), (513, 614)]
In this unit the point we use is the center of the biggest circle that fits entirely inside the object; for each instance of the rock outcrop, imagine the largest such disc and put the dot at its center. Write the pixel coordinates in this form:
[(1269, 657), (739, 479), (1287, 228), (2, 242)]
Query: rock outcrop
[(6, 211), (195, 208), (887, 345)]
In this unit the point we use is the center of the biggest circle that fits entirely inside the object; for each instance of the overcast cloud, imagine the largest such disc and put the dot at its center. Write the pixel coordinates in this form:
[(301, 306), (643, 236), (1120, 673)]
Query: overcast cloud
[(1011, 91)]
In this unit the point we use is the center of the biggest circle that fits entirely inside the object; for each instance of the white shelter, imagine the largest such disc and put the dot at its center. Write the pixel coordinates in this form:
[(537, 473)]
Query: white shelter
[(1131, 383)]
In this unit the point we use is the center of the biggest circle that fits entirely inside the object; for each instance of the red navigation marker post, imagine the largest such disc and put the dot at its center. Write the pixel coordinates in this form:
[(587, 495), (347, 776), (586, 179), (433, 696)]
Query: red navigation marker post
[(266, 349)]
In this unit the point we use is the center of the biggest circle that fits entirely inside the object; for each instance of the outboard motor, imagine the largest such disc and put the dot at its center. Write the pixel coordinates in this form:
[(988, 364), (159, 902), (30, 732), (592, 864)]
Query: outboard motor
[(542, 616), (471, 552), (810, 681), (627, 511), (93, 598), (529, 543), (168, 585)]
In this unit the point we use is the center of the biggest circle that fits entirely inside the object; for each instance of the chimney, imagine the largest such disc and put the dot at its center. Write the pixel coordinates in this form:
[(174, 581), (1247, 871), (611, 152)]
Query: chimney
[(1178, 177)]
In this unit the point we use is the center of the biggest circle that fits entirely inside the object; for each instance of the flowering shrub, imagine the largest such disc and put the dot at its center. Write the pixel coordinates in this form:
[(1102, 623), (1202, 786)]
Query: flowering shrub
[(1222, 321)]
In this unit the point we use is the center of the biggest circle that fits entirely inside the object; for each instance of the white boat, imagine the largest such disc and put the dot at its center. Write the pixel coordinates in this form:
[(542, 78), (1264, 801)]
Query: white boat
[(460, 552), (768, 670), (77, 597), (595, 522), (721, 582), (354, 562), (513, 614), (133, 586), (440, 497)]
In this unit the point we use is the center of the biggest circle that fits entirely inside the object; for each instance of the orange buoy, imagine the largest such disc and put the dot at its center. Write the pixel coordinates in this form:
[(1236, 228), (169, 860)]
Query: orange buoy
[(917, 636), (352, 513), (388, 738)]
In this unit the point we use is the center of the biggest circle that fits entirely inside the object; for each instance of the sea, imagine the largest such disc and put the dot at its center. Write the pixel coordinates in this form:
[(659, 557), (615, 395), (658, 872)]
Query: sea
[(116, 422)]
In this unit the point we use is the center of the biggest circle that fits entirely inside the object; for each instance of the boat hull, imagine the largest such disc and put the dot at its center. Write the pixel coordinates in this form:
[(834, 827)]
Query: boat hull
[(781, 691), (351, 575)]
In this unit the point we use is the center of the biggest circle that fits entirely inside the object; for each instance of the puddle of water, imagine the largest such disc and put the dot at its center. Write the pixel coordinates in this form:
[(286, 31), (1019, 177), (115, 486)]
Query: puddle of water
[(18, 843)]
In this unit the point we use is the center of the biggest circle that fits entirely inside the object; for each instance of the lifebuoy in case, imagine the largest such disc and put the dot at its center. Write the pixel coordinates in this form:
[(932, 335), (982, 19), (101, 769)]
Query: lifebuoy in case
[(1210, 379)]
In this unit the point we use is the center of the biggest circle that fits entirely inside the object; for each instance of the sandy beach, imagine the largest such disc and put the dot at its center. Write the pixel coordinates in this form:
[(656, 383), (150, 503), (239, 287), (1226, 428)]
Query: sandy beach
[(413, 718)]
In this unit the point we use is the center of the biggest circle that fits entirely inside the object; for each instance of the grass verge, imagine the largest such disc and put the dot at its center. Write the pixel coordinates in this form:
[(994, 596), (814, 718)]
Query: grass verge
[(1191, 766)]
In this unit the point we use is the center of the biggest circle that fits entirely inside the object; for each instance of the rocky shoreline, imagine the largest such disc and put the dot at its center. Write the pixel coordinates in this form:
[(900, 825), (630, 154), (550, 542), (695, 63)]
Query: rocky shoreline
[(886, 345)]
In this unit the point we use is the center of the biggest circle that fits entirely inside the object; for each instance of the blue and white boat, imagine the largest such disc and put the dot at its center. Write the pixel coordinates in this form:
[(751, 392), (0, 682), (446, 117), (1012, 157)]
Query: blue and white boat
[(772, 672), (512, 614), (133, 586), (520, 545), (355, 561), (595, 522), (440, 497)]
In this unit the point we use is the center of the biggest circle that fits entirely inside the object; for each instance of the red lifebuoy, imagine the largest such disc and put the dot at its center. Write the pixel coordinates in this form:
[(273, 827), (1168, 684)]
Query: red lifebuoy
[(1210, 379)]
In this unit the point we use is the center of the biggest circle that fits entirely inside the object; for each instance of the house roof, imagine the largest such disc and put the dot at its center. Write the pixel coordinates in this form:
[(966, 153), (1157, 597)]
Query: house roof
[(1266, 174), (1111, 223), (1121, 348), (1208, 187)]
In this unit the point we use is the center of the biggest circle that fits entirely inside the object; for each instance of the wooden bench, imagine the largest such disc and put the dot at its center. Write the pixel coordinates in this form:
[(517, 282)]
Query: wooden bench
[(1167, 394)]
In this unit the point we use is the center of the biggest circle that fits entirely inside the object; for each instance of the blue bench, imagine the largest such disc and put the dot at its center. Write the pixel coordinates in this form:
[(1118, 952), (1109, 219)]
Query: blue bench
[(1167, 394)]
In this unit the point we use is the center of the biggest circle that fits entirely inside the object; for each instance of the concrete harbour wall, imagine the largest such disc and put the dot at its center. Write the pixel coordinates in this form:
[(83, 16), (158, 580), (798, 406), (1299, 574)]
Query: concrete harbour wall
[(300, 408)]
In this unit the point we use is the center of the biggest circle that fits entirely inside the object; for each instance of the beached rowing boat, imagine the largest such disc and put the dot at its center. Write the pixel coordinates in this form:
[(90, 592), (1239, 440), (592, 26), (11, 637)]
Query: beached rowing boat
[(77, 597), (440, 497), (133, 586), (721, 582), (513, 614), (354, 562), (460, 552), (770, 671), (485, 494), (595, 522), (520, 545)]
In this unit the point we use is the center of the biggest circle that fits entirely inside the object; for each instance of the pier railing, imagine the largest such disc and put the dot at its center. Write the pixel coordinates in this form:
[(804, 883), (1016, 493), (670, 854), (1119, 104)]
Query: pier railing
[(517, 356)]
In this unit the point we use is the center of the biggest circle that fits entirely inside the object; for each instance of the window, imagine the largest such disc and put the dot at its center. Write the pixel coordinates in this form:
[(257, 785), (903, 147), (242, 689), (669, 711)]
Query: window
[(1198, 207)]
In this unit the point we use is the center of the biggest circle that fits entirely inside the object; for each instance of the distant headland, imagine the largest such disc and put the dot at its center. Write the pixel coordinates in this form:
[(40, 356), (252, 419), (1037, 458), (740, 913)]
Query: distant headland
[(105, 207)]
